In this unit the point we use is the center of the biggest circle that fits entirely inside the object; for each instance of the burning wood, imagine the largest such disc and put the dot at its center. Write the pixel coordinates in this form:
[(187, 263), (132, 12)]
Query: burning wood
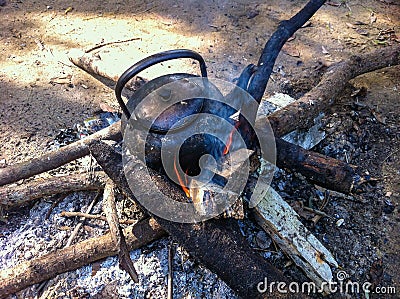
[(202, 193), (182, 183)]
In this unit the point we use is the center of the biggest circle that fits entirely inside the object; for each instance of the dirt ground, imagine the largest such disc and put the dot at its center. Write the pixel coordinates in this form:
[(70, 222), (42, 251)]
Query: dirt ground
[(43, 92)]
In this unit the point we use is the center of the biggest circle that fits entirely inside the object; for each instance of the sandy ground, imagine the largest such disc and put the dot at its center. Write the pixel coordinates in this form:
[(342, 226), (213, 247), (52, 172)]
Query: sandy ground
[(42, 92)]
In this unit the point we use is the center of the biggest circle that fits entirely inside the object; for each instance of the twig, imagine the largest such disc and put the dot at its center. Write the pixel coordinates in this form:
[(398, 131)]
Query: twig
[(92, 216), (143, 11), (391, 154), (43, 285), (111, 43), (82, 220), (317, 212), (109, 207), (170, 270), (317, 218), (110, 210)]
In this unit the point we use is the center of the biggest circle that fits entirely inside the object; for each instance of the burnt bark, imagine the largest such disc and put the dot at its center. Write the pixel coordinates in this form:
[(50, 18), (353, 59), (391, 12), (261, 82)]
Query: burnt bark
[(215, 243), (267, 60)]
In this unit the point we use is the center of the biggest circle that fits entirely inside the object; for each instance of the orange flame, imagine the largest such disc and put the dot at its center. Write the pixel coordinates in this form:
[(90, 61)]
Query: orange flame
[(183, 184), (230, 139)]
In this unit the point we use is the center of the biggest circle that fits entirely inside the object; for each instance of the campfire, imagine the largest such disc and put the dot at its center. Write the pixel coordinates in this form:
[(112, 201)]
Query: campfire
[(195, 159)]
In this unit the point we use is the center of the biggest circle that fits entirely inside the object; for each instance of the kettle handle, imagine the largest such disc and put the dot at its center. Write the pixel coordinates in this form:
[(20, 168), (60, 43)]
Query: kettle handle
[(150, 61)]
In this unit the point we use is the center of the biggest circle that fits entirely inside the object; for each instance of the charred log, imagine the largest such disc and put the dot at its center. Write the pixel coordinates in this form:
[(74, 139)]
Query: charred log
[(274, 45), (324, 171)]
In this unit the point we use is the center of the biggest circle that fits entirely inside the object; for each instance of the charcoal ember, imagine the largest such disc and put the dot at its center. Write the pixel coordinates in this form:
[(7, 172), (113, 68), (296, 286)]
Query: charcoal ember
[(64, 137), (388, 207)]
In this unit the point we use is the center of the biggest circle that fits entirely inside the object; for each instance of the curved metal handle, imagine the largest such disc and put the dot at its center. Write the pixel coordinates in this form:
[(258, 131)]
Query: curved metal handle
[(150, 61)]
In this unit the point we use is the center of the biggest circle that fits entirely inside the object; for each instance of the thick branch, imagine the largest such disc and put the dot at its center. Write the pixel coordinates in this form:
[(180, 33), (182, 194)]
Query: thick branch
[(301, 113), (14, 196), (57, 158), (105, 71), (267, 60), (274, 45), (94, 66), (73, 257)]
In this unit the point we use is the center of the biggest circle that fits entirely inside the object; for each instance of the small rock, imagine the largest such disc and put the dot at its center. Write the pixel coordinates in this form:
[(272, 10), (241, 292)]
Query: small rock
[(362, 32), (339, 222), (263, 240), (28, 255), (253, 13)]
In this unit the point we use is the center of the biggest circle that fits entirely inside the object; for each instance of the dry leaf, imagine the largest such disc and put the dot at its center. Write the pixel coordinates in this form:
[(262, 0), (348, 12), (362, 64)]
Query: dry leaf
[(351, 25)]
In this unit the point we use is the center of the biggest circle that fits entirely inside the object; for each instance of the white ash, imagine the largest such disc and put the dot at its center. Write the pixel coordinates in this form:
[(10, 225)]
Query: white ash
[(36, 236)]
